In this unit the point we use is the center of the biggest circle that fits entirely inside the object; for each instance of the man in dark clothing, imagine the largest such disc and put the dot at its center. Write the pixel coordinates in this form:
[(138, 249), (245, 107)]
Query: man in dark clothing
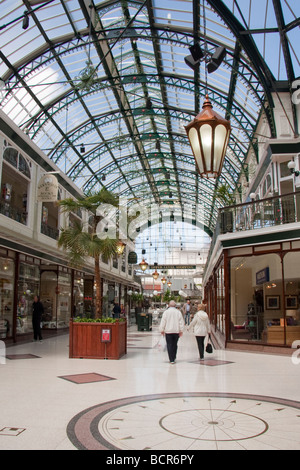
[(37, 312), (116, 310)]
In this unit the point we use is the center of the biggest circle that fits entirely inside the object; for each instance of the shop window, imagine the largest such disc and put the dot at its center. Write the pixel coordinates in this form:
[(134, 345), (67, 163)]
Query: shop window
[(49, 298), (78, 299), (56, 291), (15, 183), (292, 297), (50, 220), (28, 287), (257, 307), (64, 293), (15, 159), (6, 296)]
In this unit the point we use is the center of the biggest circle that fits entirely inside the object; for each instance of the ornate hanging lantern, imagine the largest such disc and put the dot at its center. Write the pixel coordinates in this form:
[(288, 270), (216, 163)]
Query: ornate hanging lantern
[(120, 248), (163, 280), (209, 135), (155, 275), (143, 265)]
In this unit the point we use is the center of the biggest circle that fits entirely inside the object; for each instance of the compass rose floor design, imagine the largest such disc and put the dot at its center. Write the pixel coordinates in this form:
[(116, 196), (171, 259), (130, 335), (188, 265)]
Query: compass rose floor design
[(194, 421), (231, 400)]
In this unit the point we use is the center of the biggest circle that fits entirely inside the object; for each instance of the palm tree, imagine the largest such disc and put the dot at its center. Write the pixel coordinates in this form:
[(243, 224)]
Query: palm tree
[(81, 243)]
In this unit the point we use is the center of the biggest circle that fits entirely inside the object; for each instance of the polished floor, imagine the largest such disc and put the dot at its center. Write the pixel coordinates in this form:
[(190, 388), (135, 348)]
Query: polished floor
[(231, 400)]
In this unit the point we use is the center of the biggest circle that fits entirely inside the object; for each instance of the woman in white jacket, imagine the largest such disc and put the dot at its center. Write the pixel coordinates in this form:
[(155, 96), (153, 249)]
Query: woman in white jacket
[(201, 327)]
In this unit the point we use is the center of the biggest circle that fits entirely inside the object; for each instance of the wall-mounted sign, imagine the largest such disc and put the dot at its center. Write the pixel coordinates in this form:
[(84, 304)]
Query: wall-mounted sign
[(132, 257), (47, 189), (106, 335), (172, 266), (263, 276)]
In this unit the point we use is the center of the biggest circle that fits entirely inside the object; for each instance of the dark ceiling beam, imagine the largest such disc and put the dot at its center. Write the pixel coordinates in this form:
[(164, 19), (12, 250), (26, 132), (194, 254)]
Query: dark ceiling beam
[(264, 73)]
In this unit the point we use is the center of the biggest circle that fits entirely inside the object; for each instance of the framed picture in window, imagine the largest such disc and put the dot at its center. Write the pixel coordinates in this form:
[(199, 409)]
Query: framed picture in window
[(291, 302), (273, 302)]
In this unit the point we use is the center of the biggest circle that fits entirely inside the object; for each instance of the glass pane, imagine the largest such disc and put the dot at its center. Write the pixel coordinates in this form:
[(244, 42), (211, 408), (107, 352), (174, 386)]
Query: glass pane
[(206, 139), (28, 287), (292, 297), (6, 297), (64, 300), (220, 137), (257, 306)]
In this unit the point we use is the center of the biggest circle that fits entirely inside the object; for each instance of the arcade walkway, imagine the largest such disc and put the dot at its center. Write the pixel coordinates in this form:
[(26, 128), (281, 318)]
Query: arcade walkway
[(233, 400)]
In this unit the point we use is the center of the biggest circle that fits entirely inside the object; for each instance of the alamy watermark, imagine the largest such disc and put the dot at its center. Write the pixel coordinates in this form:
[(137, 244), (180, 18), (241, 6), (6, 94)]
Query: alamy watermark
[(296, 93), (123, 222), (296, 354)]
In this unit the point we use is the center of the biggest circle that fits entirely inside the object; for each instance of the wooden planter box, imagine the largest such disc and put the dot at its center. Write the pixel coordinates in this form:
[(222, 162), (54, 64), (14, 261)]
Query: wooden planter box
[(87, 340)]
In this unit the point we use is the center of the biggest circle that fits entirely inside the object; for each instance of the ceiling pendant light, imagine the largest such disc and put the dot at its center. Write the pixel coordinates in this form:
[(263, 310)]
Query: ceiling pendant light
[(209, 135), (143, 265), (155, 275), (120, 247)]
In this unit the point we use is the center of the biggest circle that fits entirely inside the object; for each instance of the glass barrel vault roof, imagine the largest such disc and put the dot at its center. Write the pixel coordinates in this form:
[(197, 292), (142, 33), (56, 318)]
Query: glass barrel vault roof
[(111, 75)]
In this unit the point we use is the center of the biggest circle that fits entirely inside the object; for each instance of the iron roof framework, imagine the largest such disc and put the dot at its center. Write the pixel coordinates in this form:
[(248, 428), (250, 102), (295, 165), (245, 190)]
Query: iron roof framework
[(103, 89)]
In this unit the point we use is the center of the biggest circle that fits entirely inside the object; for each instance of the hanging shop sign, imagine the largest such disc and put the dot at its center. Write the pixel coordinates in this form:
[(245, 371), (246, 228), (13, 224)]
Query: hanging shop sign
[(172, 266), (47, 189), (262, 276), (132, 257)]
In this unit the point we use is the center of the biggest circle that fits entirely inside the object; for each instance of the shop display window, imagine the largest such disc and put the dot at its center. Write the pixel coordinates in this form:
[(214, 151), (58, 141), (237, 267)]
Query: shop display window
[(28, 287), (7, 267), (264, 304), (78, 296), (14, 190), (64, 293), (56, 291), (48, 298)]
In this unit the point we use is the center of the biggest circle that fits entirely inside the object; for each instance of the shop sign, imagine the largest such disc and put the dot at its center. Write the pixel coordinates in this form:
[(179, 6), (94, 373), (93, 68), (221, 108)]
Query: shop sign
[(106, 335), (172, 266), (47, 189), (132, 257), (263, 276)]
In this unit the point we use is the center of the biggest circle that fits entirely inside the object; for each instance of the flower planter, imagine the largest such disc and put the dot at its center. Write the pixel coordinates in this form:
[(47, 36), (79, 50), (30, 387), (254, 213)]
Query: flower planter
[(91, 341)]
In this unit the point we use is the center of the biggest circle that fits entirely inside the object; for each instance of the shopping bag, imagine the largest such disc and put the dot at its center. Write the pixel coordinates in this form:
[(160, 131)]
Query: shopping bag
[(161, 345)]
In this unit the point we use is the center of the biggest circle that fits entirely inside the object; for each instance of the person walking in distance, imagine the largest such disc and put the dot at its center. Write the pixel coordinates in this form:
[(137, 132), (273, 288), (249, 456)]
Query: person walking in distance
[(201, 327), (37, 312), (187, 312), (172, 326)]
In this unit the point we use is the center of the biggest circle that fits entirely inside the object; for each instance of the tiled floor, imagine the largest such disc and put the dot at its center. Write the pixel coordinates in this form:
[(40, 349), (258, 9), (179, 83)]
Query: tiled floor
[(231, 400)]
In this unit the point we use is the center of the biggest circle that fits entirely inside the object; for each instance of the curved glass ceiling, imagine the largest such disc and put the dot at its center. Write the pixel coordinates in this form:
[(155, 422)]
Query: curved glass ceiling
[(104, 90)]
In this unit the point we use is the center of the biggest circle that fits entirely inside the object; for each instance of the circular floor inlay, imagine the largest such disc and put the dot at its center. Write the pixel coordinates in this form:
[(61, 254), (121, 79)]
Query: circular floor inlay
[(191, 421)]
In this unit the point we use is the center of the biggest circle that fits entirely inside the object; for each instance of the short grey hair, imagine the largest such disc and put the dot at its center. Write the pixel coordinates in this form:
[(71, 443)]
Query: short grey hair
[(172, 303)]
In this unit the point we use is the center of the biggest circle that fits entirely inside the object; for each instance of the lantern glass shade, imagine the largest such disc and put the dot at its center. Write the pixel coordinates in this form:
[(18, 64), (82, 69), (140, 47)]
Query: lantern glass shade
[(209, 135), (155, 275), (143, 265), (163, 280)]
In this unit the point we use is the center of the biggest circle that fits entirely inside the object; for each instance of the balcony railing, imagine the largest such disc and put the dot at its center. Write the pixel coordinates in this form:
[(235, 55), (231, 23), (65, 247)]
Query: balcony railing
[(278, 210), (260, 214), (49, 231), (13, 212)]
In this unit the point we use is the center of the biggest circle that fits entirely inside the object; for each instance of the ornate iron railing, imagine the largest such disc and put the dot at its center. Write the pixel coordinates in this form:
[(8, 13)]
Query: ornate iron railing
[(258, 214)]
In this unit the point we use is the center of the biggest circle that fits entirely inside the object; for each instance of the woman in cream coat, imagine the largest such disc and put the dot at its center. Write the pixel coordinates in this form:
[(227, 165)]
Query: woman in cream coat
[(201, 327)]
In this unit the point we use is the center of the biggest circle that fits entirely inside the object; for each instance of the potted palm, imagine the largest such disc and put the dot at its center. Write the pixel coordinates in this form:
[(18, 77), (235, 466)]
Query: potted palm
[(82, 242)]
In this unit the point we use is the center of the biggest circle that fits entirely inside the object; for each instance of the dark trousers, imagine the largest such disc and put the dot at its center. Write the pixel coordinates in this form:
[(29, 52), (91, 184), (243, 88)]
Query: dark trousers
[(172, 342), (200, 342), (37, 333)]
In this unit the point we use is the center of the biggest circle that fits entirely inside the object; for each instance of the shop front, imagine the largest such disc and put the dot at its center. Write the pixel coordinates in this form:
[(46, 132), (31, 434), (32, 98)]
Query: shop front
[(61, 290), (253, 295)]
